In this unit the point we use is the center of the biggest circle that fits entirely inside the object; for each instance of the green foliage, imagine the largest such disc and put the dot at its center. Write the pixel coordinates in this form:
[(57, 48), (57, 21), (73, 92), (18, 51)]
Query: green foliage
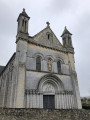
[(85, 103), (86, 107)]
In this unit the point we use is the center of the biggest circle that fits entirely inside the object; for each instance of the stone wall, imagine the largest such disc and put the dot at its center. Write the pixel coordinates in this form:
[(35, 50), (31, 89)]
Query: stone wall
[(41, 114)]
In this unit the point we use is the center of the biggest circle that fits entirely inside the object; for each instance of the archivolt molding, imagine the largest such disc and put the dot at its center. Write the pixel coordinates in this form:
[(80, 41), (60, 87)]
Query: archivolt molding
[(49, 56), (59, 59), (38, 54), (53, 80)]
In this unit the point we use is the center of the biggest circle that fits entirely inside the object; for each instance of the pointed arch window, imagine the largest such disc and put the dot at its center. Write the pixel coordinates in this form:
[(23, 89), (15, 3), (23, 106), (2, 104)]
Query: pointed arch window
[(59, 66), (38, 63)]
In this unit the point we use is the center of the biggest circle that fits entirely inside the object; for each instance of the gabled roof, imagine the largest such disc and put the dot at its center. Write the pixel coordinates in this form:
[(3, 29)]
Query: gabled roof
[(65, 32), (42, 38), (39, 32)]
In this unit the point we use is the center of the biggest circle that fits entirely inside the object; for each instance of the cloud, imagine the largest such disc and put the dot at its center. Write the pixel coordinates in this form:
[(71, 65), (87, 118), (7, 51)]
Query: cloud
[(7, 19), (61, 6), (74, 14)]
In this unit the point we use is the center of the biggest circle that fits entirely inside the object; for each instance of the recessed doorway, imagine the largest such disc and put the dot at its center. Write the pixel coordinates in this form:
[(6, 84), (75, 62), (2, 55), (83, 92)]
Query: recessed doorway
[(48, 101)]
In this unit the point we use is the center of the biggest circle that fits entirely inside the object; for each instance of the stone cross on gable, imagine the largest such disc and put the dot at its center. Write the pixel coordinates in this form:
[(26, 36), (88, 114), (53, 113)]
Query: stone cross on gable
[(65, 27), (48, 24), (23, 9)]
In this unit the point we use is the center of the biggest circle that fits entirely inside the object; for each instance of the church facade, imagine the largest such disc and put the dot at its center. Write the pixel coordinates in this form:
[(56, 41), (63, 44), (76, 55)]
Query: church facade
[(41, 73)]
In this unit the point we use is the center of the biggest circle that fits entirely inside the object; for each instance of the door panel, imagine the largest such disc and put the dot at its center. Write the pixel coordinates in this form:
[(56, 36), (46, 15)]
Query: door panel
[(48, 102)]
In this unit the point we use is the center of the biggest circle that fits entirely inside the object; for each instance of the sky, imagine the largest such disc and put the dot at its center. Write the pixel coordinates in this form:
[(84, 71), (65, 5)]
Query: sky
[(75, 14)]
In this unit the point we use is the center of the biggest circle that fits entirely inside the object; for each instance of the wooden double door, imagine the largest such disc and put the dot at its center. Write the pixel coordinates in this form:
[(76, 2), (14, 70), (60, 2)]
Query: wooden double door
[(48, 101)]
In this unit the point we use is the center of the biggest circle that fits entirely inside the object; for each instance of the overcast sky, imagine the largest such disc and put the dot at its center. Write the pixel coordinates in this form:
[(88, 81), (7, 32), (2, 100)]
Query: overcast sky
[(75, 14)]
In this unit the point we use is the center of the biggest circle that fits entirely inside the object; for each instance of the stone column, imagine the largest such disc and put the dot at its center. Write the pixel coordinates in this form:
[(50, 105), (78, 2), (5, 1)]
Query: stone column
[(41, 101), (37, 101), (31, 101), (28, 99), (62, 101)]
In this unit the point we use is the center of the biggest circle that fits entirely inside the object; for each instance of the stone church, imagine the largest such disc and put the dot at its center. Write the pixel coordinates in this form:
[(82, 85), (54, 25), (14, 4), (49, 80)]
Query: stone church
[(41, 73)]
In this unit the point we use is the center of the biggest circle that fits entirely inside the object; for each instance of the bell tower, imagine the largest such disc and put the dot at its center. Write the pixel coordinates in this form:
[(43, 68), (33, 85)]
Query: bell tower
[(22, 29), (67, 40), (20, 60)]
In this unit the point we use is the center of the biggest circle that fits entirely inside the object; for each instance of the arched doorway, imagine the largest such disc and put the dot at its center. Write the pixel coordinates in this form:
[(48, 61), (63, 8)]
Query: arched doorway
[(49, 95), (49, 86)]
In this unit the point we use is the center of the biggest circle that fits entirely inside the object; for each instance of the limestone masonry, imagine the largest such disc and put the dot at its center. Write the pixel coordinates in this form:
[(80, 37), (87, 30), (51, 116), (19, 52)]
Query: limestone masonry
[(41, 74)]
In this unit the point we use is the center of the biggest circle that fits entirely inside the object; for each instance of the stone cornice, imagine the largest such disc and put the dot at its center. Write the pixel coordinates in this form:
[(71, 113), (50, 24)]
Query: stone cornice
[(37, 44), (40, 45)]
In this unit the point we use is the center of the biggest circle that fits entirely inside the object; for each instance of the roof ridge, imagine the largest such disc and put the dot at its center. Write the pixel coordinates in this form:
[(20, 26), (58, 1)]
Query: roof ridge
[(40, 32)]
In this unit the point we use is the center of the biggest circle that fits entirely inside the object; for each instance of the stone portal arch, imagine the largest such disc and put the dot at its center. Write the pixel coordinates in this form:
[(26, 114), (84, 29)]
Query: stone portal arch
[(50, 84)]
